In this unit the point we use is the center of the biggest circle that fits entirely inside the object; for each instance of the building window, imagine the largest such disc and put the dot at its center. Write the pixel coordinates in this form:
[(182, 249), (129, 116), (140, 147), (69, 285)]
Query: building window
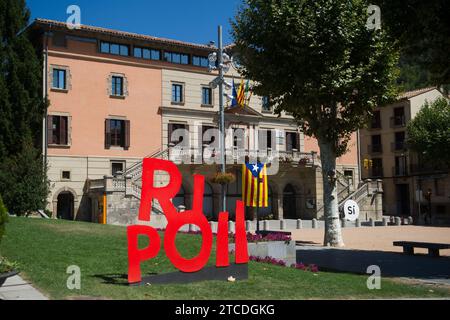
[(376, 146), (178, 135), (265, 105), (399, 144), (58, 130), (265, 135), (239, 138), (377, 168), (349, 175), (117, 86), (114, 48), (206, 96), (400, 166), (148, 54), (117, 167), (376, 120), (178, 58), (117, 133), (399, 117), (65, 175), (59, 79), (177, 93), (292, 141), (200, 61)]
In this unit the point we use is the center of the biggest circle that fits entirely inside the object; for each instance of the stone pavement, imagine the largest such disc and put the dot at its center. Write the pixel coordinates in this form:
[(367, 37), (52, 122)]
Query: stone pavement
[(392, 264), (15, 288)]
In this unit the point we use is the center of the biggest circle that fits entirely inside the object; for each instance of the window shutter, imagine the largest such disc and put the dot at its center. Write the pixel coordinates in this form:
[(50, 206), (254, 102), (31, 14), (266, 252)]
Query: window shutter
[(63, 131), (69, 130), (127, 134), (107, 134), (50, 130)]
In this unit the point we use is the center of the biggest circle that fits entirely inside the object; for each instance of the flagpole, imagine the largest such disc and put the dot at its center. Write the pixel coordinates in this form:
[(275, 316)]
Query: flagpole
[(222, 117), (258, 230)]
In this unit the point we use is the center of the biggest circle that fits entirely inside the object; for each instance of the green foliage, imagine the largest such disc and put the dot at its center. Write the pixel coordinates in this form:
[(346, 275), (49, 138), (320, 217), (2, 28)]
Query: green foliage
[(3, 218), (429, 133), (422, 31), (413, 76), (317, 60), (21, 113), (24, 178)]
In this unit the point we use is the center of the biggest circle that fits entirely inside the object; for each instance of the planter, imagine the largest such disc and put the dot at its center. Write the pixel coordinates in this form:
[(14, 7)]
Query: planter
[(279, 250), (5, 276)]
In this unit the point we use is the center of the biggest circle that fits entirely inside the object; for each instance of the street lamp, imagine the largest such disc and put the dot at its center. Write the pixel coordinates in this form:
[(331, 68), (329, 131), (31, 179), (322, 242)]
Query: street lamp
[(221, 61)]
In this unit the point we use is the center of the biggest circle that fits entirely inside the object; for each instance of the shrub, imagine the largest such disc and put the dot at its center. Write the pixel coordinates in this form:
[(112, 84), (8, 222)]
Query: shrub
[(3, 218)]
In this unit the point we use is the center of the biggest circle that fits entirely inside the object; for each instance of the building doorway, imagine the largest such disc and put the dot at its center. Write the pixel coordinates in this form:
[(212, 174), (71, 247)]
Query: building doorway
[(289, 202), (180, 199), (66, 206), (403, 199)]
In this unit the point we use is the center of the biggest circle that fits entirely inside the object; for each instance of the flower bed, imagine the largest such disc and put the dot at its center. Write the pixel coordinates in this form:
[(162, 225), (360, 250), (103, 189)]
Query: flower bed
[(280, 250), (299, 266), (274, 236)]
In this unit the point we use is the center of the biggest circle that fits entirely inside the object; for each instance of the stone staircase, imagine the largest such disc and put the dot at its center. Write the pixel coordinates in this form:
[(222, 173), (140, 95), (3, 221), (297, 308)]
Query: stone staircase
[(129, 183)]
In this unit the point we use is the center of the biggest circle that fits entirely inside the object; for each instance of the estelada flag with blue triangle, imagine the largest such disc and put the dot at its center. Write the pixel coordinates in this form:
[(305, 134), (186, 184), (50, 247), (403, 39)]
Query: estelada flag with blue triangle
[(251, 173)]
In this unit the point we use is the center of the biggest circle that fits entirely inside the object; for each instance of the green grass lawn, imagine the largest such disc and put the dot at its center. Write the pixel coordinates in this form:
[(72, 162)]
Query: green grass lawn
[(44, 249)]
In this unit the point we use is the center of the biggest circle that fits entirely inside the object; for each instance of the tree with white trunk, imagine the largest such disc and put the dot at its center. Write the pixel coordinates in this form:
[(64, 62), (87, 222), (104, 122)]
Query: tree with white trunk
[(318, 60)]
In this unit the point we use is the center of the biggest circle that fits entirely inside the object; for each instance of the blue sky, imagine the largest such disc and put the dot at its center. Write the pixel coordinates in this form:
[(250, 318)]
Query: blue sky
[(186, 20)]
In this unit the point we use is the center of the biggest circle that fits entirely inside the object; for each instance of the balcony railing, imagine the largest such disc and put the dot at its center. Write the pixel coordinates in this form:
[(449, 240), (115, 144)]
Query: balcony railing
[(398, 146), (207, 155), (399, 171), (376, 148), (398, 122), (377, 172), (428, 168)]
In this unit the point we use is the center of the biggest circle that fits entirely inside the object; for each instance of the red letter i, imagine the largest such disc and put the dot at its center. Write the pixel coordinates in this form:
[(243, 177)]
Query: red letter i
[(241, 235), (222, 254)]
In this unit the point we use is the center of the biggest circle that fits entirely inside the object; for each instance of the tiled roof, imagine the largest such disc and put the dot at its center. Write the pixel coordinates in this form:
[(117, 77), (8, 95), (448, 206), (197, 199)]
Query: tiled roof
[(129, 35), (415, 93)]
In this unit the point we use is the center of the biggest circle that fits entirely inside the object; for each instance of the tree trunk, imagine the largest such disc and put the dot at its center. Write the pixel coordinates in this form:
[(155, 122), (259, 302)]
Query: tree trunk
[(333, 235)]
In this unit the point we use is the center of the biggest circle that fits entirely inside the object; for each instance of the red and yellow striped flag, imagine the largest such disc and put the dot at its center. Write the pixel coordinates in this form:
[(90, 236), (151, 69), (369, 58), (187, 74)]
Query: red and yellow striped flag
[(250, 173)]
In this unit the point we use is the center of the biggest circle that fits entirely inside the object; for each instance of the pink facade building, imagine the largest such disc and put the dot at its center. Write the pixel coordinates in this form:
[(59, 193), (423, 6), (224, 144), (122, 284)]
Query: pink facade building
[(117, 97)]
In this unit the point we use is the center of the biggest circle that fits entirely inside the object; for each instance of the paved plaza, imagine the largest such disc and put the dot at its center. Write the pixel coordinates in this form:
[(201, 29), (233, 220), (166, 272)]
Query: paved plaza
[(379, 238)]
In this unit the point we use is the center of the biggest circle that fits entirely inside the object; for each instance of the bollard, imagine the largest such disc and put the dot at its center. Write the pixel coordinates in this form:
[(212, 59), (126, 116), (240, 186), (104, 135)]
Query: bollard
[(385, 222), (211, 225), (265, 225), (282, 225), (299, 224), (343, 224), (410, 220), (248, 225), (191, 228), (358, 223), (398, 221), (372, 222), (315, 224), (231, 227)]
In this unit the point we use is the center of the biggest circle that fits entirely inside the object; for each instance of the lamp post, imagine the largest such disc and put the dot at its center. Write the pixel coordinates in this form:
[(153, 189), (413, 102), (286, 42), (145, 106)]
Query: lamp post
[(221, 62)]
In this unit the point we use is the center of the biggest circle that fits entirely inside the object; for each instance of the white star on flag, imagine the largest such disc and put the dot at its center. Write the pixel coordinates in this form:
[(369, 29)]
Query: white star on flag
[(255, 168)]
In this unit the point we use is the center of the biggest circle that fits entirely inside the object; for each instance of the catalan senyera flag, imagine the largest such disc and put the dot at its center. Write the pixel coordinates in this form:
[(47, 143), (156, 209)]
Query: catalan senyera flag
[(250, 173), (241, 94)]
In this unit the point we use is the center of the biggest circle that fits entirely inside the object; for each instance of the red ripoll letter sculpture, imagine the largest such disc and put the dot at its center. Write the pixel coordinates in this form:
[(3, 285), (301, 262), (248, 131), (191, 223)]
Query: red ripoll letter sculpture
[(177, 220)]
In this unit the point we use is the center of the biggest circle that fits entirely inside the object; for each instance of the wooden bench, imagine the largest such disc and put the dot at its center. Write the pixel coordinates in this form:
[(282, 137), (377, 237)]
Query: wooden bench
[(433, 248)]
